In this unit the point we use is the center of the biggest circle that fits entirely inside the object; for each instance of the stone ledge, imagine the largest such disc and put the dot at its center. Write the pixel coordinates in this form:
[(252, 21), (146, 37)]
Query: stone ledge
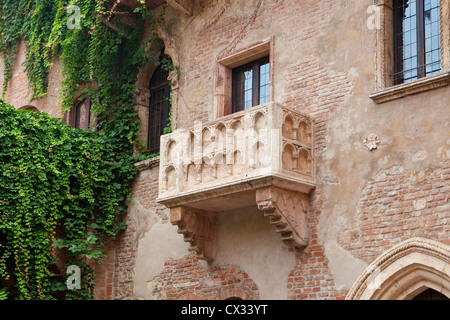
[(202, 197), (406, 89), (147, 164)]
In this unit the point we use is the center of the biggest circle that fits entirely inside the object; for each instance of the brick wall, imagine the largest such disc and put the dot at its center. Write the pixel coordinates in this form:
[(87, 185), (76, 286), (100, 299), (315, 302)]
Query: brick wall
[(315, 89), (311, 278), (398, 204), (18, 93), (104, 274), (145, 192), (188, 279), (17, 90)]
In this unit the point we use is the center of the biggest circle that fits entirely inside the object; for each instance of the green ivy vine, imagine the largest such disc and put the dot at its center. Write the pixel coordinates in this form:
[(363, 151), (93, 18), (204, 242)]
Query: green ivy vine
[(63, 188)]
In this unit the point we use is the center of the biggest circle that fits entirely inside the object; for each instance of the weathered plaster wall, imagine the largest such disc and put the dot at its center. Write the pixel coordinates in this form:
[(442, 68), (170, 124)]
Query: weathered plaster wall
[(246, 239)]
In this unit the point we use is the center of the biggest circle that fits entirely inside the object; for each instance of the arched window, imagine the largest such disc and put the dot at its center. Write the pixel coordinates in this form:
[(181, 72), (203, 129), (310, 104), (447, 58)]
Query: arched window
[(81, 114), (159, 108)]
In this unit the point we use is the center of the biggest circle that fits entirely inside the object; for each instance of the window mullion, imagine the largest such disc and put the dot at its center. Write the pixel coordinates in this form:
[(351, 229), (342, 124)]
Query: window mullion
[(397, 61), (234, 92), (166, 107), (88, 102), (421, 39), (255, 84)]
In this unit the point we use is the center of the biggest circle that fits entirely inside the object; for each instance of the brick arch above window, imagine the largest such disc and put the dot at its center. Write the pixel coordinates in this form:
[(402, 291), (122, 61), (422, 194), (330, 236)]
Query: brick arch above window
[(29, 107), (190, 295)]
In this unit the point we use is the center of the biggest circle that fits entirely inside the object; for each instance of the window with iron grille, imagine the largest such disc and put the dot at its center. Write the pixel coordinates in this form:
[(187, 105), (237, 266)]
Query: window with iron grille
[(251, 84), (417, 48), (159, 108)]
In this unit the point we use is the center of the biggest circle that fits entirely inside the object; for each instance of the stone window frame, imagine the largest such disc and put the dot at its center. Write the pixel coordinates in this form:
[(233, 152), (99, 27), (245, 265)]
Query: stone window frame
[(385, 90), (69, 116), (224, 73), (75, 112)]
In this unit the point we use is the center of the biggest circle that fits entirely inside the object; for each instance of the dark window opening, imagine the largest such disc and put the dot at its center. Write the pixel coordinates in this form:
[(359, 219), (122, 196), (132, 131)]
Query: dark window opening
[(81, 114), (159, 108), (417, 49), (251, 85), (430, 294)]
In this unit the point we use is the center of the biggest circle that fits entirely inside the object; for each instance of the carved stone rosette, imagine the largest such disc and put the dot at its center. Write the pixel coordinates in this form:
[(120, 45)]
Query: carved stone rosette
[(287, 211)]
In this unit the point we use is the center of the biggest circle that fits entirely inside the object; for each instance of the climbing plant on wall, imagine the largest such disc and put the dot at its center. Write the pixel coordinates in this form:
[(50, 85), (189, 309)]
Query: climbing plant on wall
[(61, 187)]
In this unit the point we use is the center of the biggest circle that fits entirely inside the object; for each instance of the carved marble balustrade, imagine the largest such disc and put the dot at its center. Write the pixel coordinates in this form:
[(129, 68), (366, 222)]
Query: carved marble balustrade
[(263, 157)]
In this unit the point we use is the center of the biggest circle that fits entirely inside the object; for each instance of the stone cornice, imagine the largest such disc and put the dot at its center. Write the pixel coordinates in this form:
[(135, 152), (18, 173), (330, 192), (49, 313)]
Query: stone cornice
[(406, 89), (147, 164), (239, 185)]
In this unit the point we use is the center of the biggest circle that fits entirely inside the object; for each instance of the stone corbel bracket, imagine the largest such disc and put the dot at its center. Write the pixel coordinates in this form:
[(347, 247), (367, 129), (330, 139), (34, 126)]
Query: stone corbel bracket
[(287, 211), (198, 227)]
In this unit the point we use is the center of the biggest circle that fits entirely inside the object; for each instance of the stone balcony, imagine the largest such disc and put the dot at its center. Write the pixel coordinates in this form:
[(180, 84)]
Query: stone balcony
[(263, 157)]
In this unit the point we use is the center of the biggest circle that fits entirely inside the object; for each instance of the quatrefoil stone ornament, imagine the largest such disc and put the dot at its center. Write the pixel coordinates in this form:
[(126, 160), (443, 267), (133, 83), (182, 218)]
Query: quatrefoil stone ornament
[(372, 141)]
